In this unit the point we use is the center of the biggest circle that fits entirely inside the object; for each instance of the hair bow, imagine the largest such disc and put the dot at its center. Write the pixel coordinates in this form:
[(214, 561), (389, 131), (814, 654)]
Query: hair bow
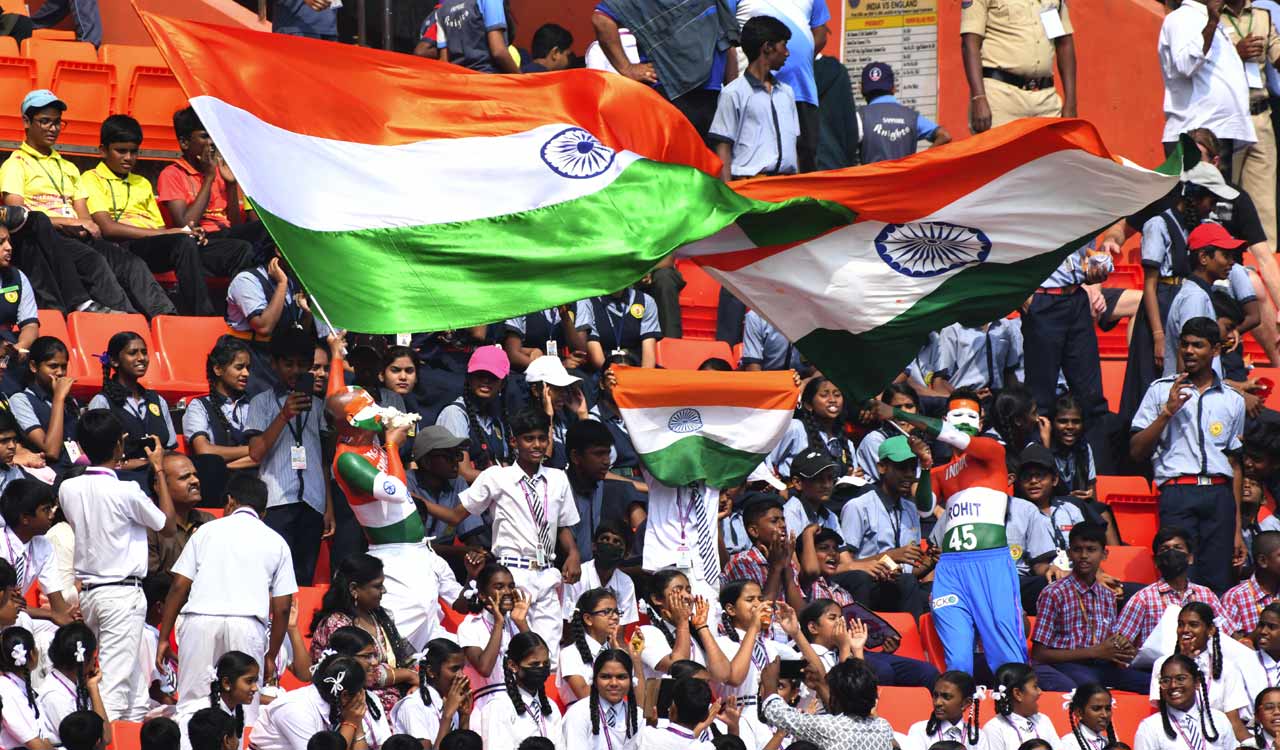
[(104, 359), (213, 673), (325, 654), (1067, 697), (336, 682), (19, 654), (80, 652), (999, 692), (472, 591), (980, 693)]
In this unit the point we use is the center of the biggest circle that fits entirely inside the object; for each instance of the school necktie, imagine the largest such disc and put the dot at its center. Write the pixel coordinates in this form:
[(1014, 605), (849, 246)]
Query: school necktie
[(706, 548), (539, 513), (759, 656), (20, 568), (611, 716), (1194, 738), (954, 734)]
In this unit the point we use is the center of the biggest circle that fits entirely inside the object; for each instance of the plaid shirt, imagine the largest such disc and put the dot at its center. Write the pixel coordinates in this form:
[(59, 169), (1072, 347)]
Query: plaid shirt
[(751, 565), (1073, 615), (824, 588), (1244, 603), (1143, 612)]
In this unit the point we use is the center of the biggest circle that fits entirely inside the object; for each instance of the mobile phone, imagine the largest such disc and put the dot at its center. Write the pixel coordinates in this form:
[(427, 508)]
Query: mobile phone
[(791, 669), (305, 384)]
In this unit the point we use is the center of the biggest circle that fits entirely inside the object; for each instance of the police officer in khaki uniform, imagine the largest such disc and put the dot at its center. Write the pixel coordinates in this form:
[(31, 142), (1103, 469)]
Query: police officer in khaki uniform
[(1256, 40), (1009, 48)]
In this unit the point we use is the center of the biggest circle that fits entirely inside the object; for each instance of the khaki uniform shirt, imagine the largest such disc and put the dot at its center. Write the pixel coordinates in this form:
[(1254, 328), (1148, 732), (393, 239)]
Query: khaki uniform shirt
[(1013, 36), (1256, 22)]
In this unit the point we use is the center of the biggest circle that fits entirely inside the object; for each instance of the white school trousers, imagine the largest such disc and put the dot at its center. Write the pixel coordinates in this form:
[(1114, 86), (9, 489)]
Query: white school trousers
[(545, 610), (116, 614)]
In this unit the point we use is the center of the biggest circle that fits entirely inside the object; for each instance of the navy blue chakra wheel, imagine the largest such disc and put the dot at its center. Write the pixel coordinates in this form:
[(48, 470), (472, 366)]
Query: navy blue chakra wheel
[(577, 154), (931, 248)]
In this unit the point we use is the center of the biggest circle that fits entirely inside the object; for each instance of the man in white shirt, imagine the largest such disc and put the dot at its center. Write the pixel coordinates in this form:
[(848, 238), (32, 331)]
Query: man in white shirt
[(110, 519), (1204, 79), (234, 574)]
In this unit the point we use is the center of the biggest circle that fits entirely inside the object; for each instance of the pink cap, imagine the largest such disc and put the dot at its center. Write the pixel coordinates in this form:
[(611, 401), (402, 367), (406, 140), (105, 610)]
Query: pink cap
[(491, 359)]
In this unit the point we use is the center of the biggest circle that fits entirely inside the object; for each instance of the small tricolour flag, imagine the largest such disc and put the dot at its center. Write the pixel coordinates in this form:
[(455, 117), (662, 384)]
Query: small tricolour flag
[(704, 425)]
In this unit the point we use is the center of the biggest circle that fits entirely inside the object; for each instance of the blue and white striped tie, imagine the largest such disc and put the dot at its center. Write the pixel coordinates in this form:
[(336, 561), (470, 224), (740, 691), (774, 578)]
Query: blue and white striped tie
[(706, 547), (1194, 738)]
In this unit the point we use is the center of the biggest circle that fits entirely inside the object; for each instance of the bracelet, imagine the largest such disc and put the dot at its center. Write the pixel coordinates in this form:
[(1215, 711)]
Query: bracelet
[(976, 98), (348, 724), (701, 627)]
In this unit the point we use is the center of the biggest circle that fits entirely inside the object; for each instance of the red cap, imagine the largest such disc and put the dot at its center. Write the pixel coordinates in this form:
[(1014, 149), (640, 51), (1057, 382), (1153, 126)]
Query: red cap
[(1210, 234)]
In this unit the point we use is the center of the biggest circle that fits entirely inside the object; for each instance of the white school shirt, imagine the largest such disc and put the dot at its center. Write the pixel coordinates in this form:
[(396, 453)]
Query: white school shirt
[(1009, 732), (236, 564), (920, 739), (1225, 694), (1151, 736), (18, 723), (656, 649), (57, 699), (620, 583), (503, 729), (1092, 740), (35, 556), (411, 716), (671, 525), (1202, 90), (62, 566), (110, 518), (292, 720), (670, 737), (750, 686), (576, 733), (500, 489), (474, 631), (571, 663)]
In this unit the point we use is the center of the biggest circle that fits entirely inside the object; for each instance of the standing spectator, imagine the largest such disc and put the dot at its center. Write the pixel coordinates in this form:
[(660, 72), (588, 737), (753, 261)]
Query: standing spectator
[(477, 35), (1210, 250), (1189, 426), (980, 358), (889, 129), (110, 518), (806, 19), (315, 19), (1256, 40), (184, 490), (686, 60), (838, 113), (588, 444), (756, 125), (625, 320), (1204, 79), (84, 12), (552, 49), (765, 348), (430, 40), (1008, 60)]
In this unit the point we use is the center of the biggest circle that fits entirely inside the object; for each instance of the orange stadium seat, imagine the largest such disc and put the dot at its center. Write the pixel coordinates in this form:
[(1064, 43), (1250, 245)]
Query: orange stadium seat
[(89, 333), (182, 344), (1113, 381), (49, 52), (1132, 564), (72, 70), (124, 735), (1133, 503), (698, 301), (1273, 374), (149, 92), (17, 77), (687, 354), (904, 706), (932, 643), (63, 35), (912, 646), (53, 324), (8, 47), (1123, 488)]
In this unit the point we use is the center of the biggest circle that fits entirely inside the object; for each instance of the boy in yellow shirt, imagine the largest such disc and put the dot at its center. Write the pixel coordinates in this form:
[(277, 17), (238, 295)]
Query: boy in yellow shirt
[(123, 205)]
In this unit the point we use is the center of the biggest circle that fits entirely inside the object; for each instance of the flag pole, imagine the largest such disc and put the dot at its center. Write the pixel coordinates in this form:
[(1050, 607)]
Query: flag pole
[(316, 303)]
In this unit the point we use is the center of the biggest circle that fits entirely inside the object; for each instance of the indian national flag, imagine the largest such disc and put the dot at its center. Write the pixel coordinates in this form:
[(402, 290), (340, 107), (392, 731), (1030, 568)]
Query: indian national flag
[(704, 425), (964, 232), (414, 195)]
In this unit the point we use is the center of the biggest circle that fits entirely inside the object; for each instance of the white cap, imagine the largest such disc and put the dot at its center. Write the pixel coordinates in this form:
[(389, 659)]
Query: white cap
[(1208, 177), (549, 370), (763, 473)]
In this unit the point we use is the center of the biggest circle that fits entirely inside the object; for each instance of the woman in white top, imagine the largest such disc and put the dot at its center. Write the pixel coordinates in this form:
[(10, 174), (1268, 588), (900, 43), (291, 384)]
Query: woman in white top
[(1266, 714), (1185, 722), (955, 715), (607, 719), (594, 626), (1090, 717), (334, 701), (1198, 638), (746, 617), (678, 629), (442, 701), (498, 611), (73, 681), (524, 709), (20, 724), (1017, 694)]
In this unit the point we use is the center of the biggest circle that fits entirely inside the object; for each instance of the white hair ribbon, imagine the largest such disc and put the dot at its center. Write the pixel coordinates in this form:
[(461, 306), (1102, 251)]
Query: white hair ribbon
[(19, 654), (1067, 697), (336, 682), (80, 652)]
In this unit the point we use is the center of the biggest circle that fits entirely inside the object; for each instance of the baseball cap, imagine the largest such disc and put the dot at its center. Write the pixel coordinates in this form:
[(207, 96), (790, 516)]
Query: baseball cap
[(1208, 177), (896, 449), (1212, 234), (761, 473), (491, 359), (811, 463), (1036, 455), (549, 370), (433, 438), (41, 98), (876, 76)]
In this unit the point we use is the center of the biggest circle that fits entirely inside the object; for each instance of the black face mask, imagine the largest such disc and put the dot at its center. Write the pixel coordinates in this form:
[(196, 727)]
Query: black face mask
[(1172, 563), (608, 555), (532, 678)]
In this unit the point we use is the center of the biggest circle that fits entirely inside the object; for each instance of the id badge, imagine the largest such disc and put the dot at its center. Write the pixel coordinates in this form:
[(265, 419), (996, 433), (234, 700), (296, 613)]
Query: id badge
[(298, 457), (1053, 27), (72, 450), (404, 339), (541, 558), (553, 348), (1253, 75), (1062, 561), (684, 558)]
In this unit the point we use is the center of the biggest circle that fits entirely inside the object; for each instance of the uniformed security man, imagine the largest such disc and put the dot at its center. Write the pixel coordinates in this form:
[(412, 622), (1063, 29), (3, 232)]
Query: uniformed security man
[(1251, 30), (1189, 426), (1008, 48)]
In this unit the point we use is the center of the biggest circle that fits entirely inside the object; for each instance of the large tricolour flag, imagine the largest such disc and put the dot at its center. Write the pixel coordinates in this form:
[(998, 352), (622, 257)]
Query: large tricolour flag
[(704, 425)]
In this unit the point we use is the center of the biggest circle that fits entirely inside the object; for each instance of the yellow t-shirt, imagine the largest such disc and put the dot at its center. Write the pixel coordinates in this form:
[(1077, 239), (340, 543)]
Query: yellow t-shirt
[(130, 200), (46, 183)]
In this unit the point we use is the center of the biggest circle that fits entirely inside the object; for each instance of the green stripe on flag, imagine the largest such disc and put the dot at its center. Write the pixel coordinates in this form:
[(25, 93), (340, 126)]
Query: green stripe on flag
[(697, 457), (446, 276)]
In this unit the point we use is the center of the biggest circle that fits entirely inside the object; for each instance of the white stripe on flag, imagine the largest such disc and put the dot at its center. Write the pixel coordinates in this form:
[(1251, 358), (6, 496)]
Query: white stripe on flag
[(393, 186), (741, 428)]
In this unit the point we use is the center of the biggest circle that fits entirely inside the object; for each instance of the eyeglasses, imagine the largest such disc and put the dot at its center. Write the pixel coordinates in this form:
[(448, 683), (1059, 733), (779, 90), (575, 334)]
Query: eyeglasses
[(1178, 679), (606, 611)]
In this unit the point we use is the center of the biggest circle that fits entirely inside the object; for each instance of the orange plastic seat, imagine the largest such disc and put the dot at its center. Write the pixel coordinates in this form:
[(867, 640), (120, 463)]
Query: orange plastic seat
[(49, 52), (8, 46), (904, 706), (149, 92), (1133, 564), (687, 354), (912, 646), (698, 301), (182, 345), (1113, 380), (17, 77), (932, 643), (1133, 502), (124, 735), (89, 334), (1123, 488), (63, 35)]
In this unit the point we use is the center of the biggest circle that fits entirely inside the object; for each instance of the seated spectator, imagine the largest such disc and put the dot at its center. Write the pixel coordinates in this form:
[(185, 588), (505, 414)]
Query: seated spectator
[(814, 474), (822, 555), (626, 320), (818, 425), (1075, 630), (184, 490), (343, 706), (27, 507), (899, 396), (765, 348), (552, 49), (1200, 639), (436, 455), (200, 191), (560, 331), (1246, 599), (141, 411), (498, 611), (160, 733), (756, 125), (979, 358), (623, 459), (677, 618), (476, 35), (883, 521), (47, 414), (609, 544), (213, 729), (889, 129), (125, 210), (595, 626), (1072, 454), (769, 560), (88, 20), (19, 318), (73, 677), (478, 415), (83, 730), (214, 425), (315, 19), (72, 268), (1173, 557), (599, 498)]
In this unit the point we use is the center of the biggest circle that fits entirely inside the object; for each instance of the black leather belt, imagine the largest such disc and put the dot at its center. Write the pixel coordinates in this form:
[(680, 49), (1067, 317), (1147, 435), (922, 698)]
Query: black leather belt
[(1026, 84), (130, 581)]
